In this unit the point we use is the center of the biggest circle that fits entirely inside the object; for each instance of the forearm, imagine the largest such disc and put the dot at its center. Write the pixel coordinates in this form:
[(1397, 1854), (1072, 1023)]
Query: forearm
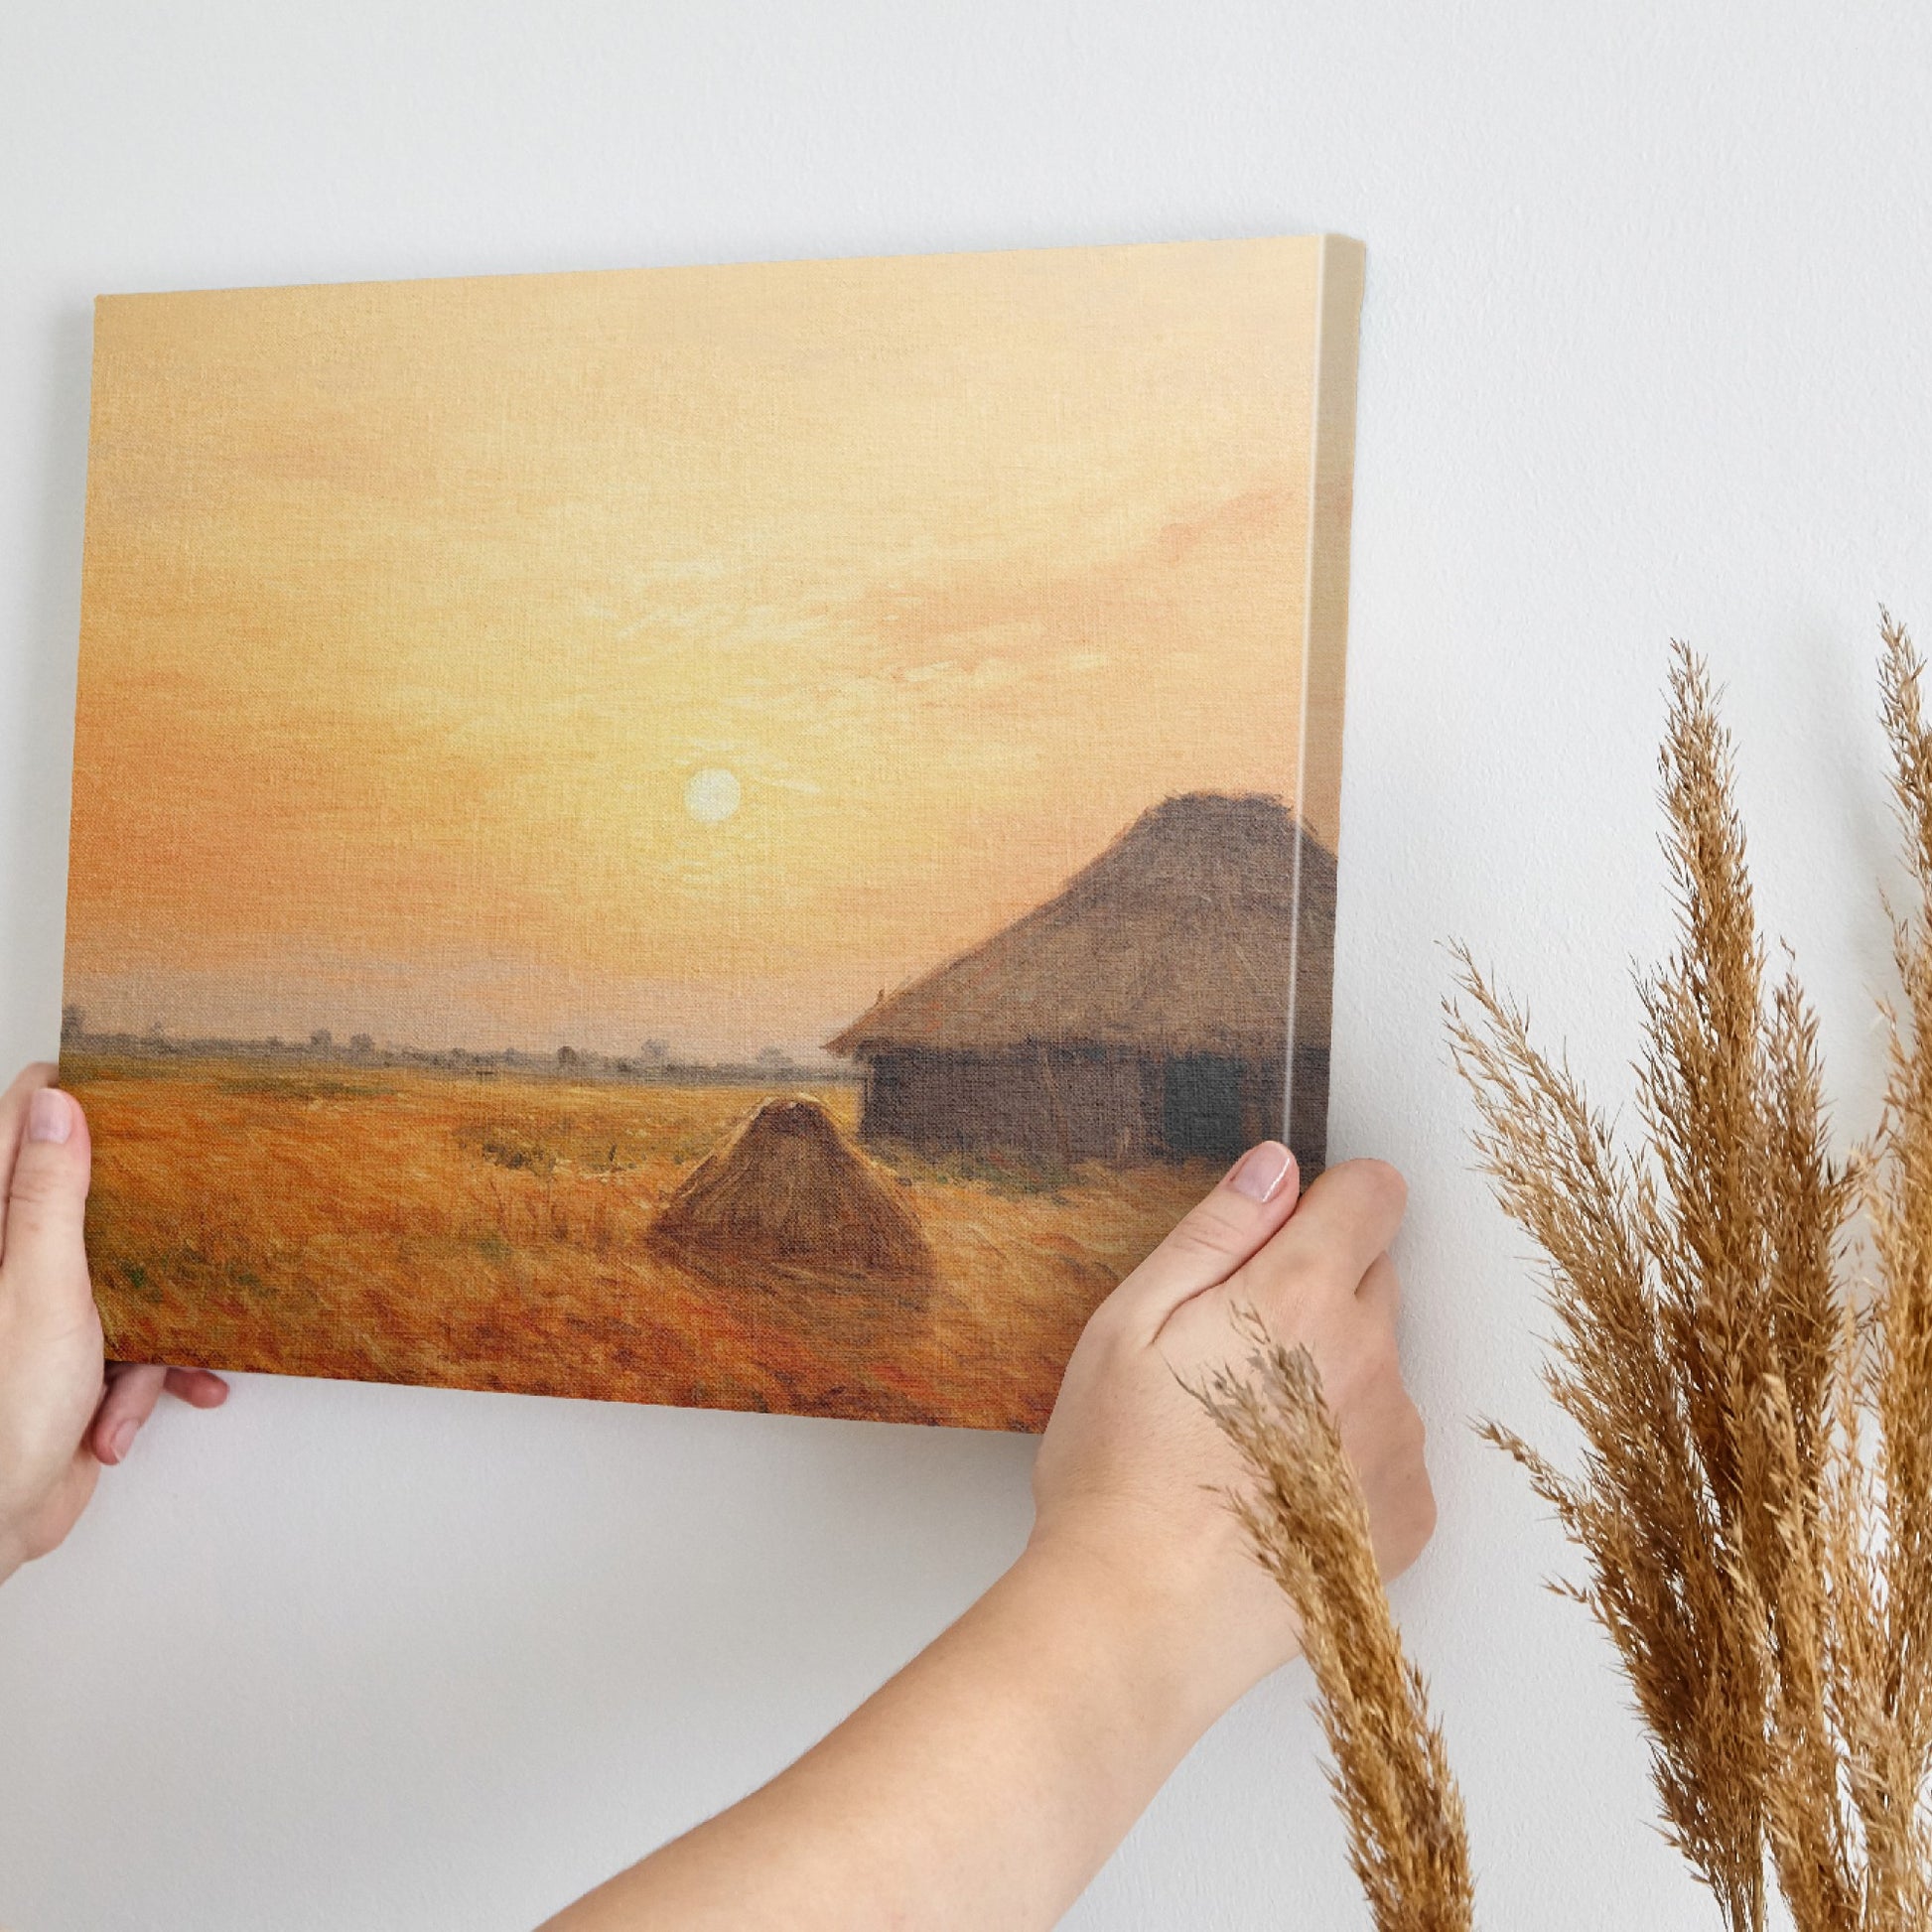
[(984, 1785), (990, 1779)]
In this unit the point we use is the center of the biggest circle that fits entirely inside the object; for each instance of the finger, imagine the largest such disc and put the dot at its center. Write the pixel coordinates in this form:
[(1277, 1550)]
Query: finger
[(43, 1265), (132, 1392), (1380, 1294), (1348, 1217), (13, 1126), (1252, 1200), (198, 1387)]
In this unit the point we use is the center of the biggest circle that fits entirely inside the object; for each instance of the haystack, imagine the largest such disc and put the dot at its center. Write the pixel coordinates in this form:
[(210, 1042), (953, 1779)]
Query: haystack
[(1142, 1011), (786, 1193)]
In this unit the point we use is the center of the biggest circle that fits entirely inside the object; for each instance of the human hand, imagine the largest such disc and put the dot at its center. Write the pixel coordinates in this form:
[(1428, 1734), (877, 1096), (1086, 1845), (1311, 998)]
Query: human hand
[(63, 1412), (1132, 1470), (985, 1784)]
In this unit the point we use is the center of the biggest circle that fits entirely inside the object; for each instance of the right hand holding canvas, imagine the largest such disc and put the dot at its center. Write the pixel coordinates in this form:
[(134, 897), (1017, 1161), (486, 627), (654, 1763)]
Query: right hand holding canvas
[(64, 1411), (1132, 1473), (986, 1783)]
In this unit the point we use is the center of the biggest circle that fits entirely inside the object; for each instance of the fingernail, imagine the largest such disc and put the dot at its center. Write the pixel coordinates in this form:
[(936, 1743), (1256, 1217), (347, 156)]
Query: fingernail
[(1260, 1172), (50, 1115), (122, 1438)]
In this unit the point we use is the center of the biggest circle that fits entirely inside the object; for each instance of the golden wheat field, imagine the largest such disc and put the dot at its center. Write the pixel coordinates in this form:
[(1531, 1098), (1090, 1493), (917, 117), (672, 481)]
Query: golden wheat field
[(421, 1226)]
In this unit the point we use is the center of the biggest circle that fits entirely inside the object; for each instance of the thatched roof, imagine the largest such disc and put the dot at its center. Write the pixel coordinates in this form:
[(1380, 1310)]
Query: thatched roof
[(1176, 939), (785, 1191)]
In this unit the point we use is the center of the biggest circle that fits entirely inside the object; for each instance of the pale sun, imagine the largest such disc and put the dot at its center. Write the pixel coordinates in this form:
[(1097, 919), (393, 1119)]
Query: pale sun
[(712, 796)]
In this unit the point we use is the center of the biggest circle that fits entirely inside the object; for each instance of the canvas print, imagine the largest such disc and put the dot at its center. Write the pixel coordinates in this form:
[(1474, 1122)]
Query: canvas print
[(735, 836)]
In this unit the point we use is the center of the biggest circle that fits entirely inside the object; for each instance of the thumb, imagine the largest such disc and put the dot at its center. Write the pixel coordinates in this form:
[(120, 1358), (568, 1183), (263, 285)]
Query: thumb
[(44, 1259), (1254, 1198)]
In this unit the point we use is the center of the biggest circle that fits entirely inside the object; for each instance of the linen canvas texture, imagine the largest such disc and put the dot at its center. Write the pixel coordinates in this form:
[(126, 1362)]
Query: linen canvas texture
[(735, 835)]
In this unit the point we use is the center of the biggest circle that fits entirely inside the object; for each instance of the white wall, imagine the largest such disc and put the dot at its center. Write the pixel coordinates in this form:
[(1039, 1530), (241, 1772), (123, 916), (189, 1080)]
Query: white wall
[(1644, 352)]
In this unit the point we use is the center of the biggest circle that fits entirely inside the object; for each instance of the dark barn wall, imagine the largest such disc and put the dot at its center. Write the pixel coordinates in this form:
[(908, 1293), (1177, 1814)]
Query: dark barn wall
[(1308, 1123), (1201, 1111), (1073, 1104), (1216, 1106), (1052, 1103)]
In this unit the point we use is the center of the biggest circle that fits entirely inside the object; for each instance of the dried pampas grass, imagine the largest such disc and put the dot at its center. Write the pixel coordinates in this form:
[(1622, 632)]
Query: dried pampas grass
[(1306, 1519), (1754, 1497)]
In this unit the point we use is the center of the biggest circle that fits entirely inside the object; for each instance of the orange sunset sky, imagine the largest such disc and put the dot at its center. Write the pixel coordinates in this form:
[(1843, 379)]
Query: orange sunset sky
[(682, 653)]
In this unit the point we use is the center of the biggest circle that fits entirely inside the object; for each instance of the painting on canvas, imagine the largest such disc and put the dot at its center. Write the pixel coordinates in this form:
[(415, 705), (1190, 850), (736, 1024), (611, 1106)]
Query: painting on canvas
[(737, 836)]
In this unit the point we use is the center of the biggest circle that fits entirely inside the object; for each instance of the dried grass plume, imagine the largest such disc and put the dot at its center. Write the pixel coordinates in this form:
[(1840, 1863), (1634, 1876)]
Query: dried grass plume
[(1306, 1519), (1754, 1502)]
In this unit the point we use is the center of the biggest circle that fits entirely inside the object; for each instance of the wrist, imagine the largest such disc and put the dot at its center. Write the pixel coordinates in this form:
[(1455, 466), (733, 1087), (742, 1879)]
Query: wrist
[(1166, 1637)]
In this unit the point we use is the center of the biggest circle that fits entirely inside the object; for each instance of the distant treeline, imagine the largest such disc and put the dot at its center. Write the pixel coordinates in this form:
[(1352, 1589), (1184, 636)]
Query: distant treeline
[(653, 1064)]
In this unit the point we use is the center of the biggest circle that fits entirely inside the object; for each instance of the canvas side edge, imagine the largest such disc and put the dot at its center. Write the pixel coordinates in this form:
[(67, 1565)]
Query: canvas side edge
[(88, 527), (1338, 296)]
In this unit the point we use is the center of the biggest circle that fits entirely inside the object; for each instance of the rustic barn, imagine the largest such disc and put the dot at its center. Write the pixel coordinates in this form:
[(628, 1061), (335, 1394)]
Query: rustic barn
[(1141, 1013)]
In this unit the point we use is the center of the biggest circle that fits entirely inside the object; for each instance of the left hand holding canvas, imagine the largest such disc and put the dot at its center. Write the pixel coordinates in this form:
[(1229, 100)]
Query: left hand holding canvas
[(64, 1410)]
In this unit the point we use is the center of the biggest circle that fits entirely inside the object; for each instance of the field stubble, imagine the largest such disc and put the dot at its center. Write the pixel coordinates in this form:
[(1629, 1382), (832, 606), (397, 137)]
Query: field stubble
[(425, 1228)]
